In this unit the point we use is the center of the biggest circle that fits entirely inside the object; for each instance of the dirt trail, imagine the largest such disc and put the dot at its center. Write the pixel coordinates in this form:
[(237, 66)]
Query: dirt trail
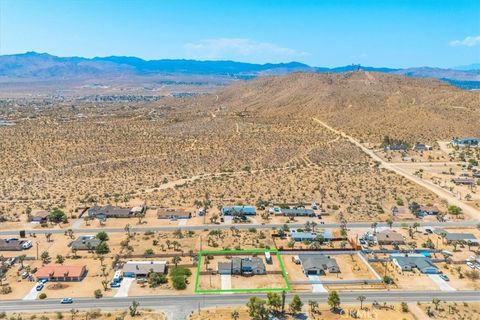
[(416, 311), (467, 209)]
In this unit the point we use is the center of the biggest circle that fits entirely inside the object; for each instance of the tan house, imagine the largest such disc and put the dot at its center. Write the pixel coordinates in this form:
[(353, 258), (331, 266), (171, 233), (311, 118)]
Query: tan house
[(390, 237)]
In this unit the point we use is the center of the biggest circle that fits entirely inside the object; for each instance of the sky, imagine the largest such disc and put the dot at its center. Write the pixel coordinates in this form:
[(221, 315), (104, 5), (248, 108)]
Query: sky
[(410, 33)]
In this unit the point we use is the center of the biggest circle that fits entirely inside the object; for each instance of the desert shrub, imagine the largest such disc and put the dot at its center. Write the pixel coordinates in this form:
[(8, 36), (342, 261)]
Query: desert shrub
[(179, 277), (42, 295)]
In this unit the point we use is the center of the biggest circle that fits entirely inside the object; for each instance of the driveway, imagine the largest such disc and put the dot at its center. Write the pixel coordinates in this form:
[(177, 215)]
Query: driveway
[(442, 284), (32, 294), (228, 219), (182, 222), (226, 280), (77, 223), (124, 287), (317, 287)]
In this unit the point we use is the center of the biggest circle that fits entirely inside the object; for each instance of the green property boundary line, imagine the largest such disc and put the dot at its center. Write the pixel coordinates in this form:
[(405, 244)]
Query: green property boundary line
[(226, 252)]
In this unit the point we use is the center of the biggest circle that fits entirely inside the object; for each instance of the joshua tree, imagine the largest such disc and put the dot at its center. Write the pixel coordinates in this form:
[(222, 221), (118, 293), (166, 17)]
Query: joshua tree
[(127, 230), (313, 306), (176, 260), (133, 308), (235, 315)]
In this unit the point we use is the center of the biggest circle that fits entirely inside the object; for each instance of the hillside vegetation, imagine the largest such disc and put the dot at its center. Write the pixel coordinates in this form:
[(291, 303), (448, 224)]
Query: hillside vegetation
[(367, 105)]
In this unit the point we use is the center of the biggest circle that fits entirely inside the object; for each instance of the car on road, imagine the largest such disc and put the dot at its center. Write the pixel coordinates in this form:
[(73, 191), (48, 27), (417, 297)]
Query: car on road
[(66, 300), (39, 287), (444, 277)]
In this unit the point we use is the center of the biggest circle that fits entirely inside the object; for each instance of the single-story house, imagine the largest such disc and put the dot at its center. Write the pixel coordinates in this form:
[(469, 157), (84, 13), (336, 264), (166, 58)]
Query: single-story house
[(242, 266), (318, 264), (463, 181), (298, 212), (239, 210), (14, 244), (428, 211), (419, 261), (421, 147), (173, 214), (40, 216), (461, 237), (135, 269), (395, 147), (110, 211), (57, 272), (85, 243), (310, 236), (390, 237), (466, 142)]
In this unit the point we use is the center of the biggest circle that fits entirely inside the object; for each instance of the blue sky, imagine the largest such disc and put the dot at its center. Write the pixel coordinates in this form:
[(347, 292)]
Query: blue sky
[(440, 33)]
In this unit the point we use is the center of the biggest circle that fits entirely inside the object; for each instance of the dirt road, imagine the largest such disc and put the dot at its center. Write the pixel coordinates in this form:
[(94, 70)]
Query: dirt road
[(467, 209)]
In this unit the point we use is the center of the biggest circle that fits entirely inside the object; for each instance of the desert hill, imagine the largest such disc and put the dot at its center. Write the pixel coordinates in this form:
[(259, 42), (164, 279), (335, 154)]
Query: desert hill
[(365, 104)]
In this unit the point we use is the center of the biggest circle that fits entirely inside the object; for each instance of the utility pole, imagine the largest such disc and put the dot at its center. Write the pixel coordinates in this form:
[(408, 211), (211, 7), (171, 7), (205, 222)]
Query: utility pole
[(37, 248)]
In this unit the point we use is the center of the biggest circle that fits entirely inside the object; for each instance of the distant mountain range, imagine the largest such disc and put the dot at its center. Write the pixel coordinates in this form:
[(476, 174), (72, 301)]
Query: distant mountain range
[(43, 66)]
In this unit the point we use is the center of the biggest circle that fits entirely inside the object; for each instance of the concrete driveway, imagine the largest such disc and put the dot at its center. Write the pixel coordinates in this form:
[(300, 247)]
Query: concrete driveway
[(32, 294), (124, 287), (317, 287), (226, 280), (442, 284)]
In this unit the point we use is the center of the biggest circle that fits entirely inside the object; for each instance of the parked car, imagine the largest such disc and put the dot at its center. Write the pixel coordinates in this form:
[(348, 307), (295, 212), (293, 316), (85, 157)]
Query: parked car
[(115, 284), (39, 287), (27, 244), (66, 300), (471, 265), (362, 242), (25, 274), (444, 277), (43, 281)]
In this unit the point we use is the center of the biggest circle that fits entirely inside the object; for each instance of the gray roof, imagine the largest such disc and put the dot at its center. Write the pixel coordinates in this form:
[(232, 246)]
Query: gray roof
[(318, 262), (254, 263), (11, 245), (224, 266), (85, 243), (144, 267), (456, 236), (238, 263), (298, 212), (418, 262), (110, 211), (461, 237)]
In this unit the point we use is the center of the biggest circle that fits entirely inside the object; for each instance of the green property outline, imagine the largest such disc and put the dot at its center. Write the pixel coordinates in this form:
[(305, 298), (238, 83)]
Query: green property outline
[(206, 252)]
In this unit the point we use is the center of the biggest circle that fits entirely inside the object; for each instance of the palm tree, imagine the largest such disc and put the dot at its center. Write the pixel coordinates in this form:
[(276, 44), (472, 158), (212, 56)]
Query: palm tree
[(374, 227), (361, 299)]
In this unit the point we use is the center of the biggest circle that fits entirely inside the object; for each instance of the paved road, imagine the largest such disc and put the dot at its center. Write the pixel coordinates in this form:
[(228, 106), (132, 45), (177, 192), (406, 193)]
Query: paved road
[(353, 225), (467, 209), (177, 307)]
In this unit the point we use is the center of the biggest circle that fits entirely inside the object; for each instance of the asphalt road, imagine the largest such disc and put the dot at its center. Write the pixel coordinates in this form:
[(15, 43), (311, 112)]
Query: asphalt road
[(178, 307), (353, 225)]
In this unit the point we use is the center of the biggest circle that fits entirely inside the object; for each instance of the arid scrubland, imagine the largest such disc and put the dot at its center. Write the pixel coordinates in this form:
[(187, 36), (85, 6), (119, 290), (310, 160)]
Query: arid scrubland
[(254, 140)]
